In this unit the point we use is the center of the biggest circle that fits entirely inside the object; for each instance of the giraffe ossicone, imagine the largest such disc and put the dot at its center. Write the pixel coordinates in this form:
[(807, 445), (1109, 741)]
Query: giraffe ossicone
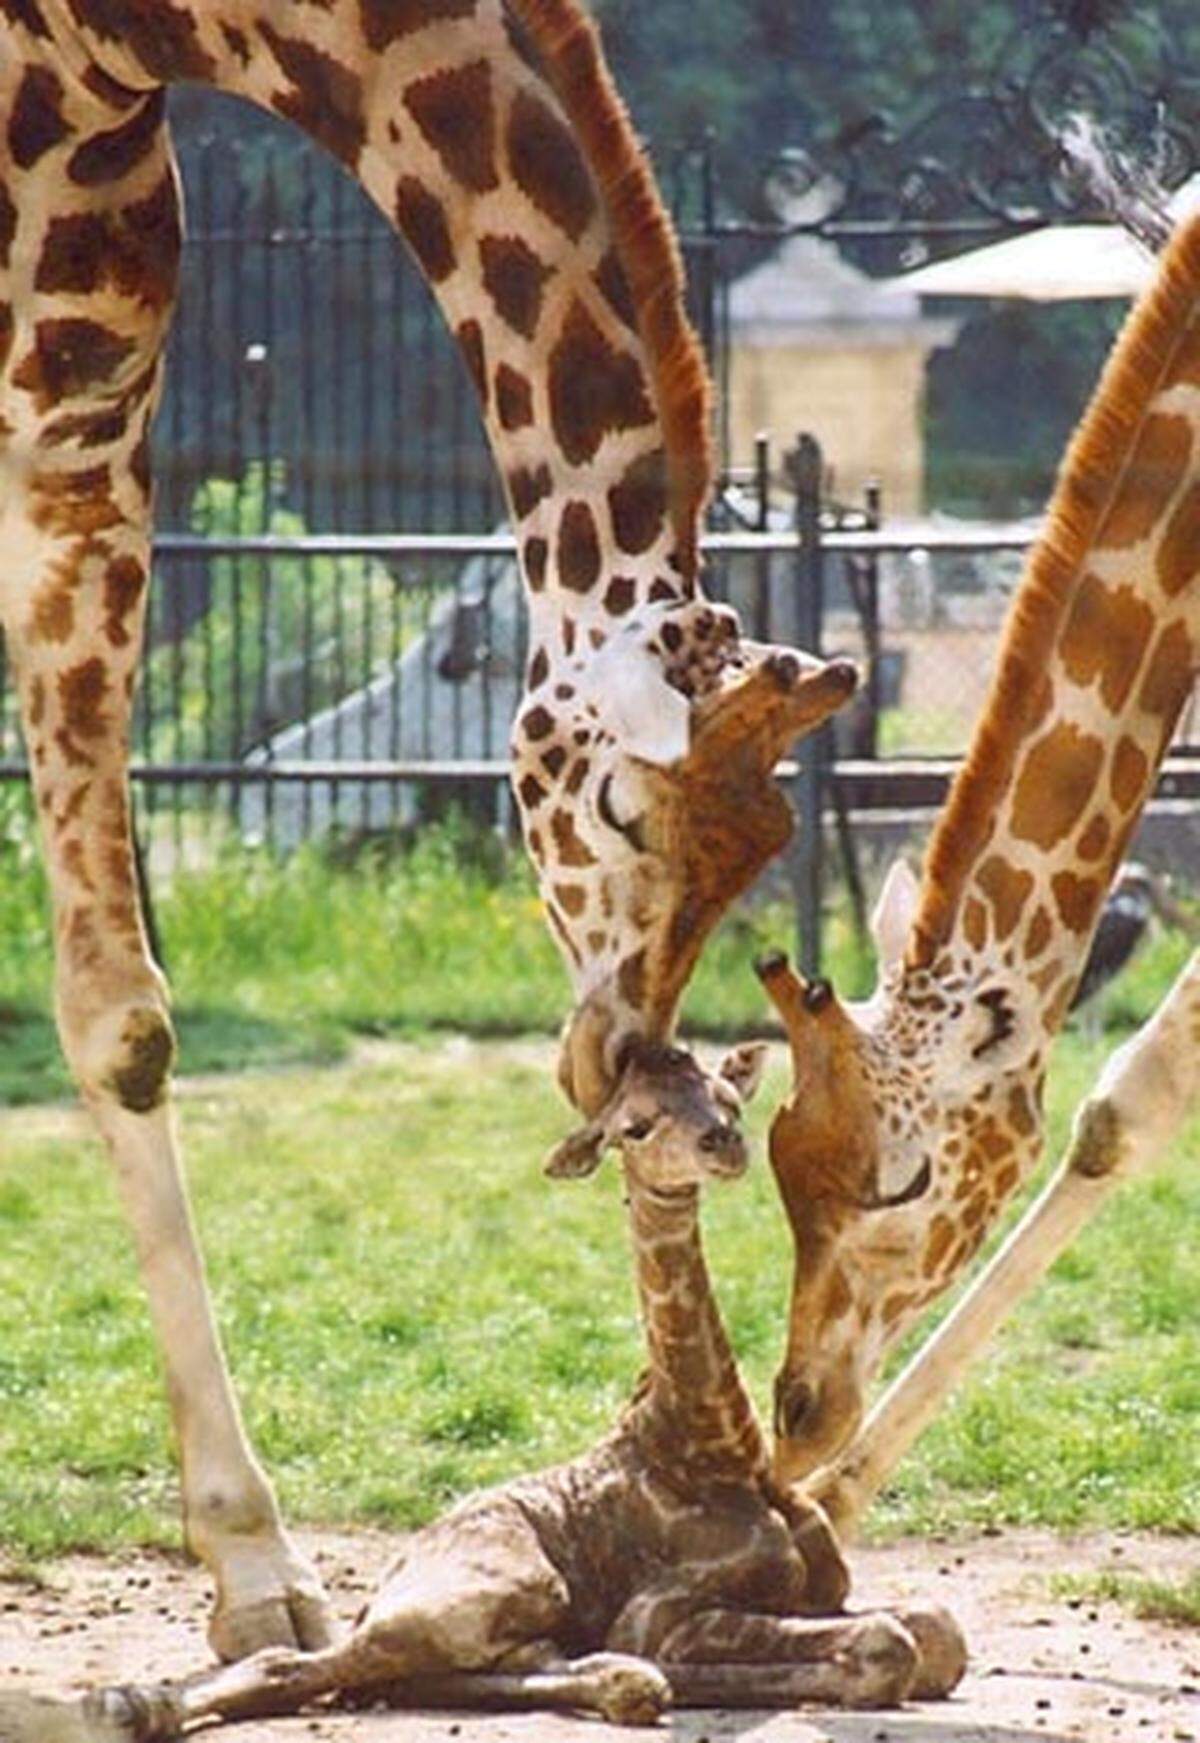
[(937, 1079), (662, 1564)]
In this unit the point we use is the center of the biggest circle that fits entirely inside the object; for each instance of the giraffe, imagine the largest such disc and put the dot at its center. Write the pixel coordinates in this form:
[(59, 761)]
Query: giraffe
[(1144, 1093), (663, 1561), (935, 1083), (489, 133)]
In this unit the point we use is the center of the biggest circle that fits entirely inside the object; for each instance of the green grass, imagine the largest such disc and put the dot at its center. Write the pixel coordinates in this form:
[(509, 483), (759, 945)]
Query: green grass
[(1156, 1600), (411, 1310), (286, 961)]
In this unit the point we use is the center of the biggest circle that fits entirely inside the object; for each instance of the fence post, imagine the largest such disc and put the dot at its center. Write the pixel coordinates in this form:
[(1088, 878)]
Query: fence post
[(808, 606)]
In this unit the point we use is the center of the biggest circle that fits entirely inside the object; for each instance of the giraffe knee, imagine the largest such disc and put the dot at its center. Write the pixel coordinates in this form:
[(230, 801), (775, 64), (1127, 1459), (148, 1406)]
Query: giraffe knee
[(126, 1056)]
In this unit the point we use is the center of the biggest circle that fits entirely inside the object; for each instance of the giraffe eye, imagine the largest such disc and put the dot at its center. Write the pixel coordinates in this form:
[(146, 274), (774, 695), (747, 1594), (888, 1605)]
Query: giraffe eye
[(639, 1128)]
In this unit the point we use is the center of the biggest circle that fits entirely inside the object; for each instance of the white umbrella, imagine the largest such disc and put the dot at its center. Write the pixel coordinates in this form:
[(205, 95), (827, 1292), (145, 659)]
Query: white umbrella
[(1049, 265)]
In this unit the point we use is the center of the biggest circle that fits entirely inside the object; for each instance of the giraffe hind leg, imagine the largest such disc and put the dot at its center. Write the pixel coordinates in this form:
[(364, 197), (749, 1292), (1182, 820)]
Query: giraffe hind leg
[(733, 1658)]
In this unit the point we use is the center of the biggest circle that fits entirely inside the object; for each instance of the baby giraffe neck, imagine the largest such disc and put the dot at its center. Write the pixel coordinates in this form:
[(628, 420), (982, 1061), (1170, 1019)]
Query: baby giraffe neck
[(693, 1416)]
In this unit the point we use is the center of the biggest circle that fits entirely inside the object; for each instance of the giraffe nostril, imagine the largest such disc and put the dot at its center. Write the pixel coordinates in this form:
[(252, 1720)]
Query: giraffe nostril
[(795, 1401), (717, 1137)]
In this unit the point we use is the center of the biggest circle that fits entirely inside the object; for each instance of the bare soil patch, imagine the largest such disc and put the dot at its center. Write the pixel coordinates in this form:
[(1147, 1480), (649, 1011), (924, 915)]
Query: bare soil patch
[(1042, 1667)]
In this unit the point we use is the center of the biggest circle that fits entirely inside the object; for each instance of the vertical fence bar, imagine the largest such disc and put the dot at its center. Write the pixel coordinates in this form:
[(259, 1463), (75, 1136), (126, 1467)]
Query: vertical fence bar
[(805, 629), (762, 521)]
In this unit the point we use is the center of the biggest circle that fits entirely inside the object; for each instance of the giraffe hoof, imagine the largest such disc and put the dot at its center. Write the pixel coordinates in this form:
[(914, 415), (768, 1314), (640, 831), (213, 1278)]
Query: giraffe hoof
[(297, 1619), (941, 1652)]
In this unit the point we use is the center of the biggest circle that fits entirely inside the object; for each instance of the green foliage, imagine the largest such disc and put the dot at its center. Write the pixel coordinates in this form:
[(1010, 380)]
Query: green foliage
[(1156, 1600), (240, 672), (412, 1310)]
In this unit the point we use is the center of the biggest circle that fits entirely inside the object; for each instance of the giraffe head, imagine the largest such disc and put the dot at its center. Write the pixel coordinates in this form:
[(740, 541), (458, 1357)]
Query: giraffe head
[(675, 1123), (905, 1127)]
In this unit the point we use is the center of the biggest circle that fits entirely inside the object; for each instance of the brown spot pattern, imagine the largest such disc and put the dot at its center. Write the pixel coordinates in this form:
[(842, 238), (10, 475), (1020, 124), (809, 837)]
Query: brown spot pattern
[(1153, 475), (1130, 768), (514, 278), (36, 124), (109, 156), (638, 502), (1179, 553), (527, 486), (1076, 899), (326, 99), (135, 251), (162, 37), (68, 357), (124, 581), (1055, 784), (578, 548), (53, 615), (1105, 636), (385, 21), (975, 923), (514, 398), (454, 112), (8, 225), (1095, 837), (538, 723), (593, 388), (571, 850), (1169, 675), (1007, 890), (1038, 935), (614, 287), (81, 693), (535, 553), (547, 165), (619, 595), (571, 898), (470, 337), (421, 220), (631, 979)]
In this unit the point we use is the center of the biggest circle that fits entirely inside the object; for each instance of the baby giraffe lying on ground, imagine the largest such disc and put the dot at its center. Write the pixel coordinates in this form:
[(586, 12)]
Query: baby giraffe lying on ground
[(662, 1564)]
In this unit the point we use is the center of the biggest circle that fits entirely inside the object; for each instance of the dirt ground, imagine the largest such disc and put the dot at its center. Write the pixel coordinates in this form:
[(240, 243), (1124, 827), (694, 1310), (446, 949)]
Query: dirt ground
[(1042, 1667)]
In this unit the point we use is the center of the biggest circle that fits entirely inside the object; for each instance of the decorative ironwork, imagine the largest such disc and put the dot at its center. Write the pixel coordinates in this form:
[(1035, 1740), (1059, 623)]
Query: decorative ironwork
[(990, 159)]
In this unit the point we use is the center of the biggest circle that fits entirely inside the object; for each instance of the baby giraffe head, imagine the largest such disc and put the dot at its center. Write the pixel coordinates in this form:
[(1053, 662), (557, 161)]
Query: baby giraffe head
[(675, 1124)]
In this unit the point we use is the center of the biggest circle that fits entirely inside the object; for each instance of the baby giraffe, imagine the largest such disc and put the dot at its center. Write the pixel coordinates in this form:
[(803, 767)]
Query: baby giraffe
[(664, 1563)]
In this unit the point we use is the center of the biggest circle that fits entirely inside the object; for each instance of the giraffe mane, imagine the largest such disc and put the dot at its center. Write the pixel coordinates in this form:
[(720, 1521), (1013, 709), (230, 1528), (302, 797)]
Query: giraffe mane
[(1090, 476), (644, 240)]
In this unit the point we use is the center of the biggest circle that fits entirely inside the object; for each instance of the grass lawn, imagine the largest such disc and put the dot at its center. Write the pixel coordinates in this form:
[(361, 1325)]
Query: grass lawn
[(412, 1310)]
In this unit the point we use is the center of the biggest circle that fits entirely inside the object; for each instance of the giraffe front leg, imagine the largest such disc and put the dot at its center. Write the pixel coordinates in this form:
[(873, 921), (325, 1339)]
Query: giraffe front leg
[(112, 1011)]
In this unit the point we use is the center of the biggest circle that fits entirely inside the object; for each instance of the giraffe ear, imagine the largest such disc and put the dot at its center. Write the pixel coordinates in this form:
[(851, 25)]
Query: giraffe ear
[(742, 1068), (894, 912), (579, 1154)]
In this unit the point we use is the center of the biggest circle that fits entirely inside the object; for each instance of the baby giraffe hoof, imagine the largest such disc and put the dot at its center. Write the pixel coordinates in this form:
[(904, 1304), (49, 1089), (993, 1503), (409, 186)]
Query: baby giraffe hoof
[(941, 1652), (881, 1659), (630, 1691)]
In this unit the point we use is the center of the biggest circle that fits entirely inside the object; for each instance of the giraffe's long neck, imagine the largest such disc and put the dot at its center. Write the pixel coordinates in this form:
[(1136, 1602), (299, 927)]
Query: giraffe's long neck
[(692, 1416), (490, 136), (1101, 652)]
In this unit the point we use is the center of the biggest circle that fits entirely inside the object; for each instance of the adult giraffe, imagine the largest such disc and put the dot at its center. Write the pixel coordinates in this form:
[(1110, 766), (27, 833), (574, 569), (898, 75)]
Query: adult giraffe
[(936, 1083), (491, 135)]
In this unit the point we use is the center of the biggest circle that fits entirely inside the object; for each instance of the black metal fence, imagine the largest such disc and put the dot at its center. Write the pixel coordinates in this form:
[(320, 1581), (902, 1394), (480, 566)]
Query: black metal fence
[(306, 670)]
